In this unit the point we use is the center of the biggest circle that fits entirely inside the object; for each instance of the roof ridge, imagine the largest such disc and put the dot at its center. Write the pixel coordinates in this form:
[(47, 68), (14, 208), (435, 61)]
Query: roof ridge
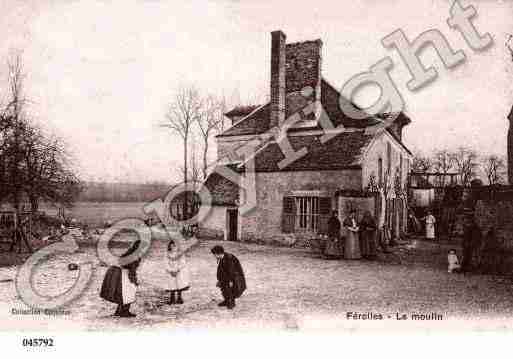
[(303, 42), (245, 117)]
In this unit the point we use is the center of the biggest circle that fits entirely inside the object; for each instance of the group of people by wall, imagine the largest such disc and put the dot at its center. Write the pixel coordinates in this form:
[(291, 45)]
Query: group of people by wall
[(351, 239)]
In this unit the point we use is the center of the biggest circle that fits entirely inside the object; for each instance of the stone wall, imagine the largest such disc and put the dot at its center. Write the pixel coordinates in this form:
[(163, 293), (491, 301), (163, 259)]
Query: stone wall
[(213, 226), (499, 215), (493, 209), (377, 151), (264, 222), (360, 204)]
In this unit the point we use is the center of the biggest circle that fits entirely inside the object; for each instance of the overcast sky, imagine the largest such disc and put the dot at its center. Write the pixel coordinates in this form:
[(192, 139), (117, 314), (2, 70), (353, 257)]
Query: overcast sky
[(100, 72)]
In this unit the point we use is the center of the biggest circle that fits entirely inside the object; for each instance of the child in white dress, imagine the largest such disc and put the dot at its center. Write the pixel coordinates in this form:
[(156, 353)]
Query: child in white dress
[(454, 263), (177, 268)]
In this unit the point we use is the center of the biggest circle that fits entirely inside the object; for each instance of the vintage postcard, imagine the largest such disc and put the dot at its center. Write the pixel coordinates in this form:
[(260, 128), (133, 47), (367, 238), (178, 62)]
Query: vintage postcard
[(250, 165)]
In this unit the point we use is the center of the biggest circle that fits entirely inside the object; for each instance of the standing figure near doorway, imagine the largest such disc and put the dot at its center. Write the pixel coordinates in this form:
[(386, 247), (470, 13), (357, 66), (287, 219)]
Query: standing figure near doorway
[(352, 245), (334, 248), (430, 225), (368, 236)]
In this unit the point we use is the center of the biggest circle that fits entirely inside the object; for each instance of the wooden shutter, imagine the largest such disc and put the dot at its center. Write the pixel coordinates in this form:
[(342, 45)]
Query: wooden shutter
[(324, 214), (325, 206), (288, 215)]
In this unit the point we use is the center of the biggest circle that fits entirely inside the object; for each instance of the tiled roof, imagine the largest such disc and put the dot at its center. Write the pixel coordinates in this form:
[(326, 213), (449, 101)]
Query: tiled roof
[(258, 121), (223, 191), (241, 110), (331, 100), (341, 152)]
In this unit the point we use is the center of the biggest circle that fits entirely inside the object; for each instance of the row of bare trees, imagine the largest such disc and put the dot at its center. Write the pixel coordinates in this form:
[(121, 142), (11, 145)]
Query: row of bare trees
[(466, 162), (195, 118), (34, 165)]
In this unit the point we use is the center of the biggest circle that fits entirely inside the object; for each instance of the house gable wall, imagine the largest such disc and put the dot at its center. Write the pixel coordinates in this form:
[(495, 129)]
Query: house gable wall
[(378, 149)]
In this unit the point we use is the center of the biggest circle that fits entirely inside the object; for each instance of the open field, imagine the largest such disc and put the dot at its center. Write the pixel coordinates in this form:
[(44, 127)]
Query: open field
[(287, 289), (97, 213)]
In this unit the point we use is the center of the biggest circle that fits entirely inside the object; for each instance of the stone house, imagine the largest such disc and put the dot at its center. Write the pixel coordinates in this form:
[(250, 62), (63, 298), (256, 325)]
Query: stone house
[(294, 198)]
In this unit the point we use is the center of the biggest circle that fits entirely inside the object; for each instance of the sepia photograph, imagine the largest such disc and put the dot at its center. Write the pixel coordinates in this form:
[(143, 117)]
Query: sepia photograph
[(252, 166)]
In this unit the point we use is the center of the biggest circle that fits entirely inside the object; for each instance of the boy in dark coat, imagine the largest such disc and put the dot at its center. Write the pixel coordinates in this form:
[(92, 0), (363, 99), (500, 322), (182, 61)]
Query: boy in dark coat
[(230, 276)]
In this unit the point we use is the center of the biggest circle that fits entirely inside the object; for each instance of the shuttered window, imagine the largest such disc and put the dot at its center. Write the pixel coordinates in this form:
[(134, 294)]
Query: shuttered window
[(288, 215), (324, 214), (306, 214)]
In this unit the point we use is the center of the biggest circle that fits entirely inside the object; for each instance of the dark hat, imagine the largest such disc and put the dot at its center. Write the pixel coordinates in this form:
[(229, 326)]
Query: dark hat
[(171, 242), (217, 250)]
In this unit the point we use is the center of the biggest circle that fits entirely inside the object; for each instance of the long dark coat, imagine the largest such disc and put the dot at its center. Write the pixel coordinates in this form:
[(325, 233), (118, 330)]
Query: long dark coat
[(471, 242), (229, 270), (368, 236), (333, 227), (333, 247)]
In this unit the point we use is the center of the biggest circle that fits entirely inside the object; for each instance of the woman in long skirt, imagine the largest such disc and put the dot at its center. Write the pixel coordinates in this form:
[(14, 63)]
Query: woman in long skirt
[(368, 235), (352, 247), (120, 283)]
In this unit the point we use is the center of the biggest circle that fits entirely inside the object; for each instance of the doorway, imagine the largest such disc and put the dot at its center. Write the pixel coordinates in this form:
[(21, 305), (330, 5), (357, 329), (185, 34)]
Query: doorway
[(233, 219)]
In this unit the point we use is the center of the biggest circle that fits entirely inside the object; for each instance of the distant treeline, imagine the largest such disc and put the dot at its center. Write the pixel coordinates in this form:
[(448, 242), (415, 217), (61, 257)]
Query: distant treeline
[(122, 192)]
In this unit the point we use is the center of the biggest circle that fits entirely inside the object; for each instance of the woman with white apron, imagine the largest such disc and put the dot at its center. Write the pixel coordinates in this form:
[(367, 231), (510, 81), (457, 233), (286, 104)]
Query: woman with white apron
[(430, 226), (120, 283), (352, 246), (177, 268)]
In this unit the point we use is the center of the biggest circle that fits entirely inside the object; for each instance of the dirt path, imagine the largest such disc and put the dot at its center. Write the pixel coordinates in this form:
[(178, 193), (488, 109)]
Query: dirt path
[(287, 288)]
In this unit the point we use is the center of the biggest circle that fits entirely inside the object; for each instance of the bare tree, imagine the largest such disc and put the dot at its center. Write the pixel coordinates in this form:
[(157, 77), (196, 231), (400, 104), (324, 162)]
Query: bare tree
[(181, 115), (48, 174), (14, 133), (421, 163), (33, 165), (494, 168), (194, 169), (223, 108), (443, 162), (465, 161), (210, 122)]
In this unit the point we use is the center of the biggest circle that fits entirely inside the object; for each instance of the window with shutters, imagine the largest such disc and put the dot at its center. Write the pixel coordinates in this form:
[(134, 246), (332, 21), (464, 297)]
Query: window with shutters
[(305, 214), (308, 213)]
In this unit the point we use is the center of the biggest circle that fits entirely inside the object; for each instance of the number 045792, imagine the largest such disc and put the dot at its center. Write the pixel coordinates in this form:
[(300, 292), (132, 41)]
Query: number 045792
[(37, 342)]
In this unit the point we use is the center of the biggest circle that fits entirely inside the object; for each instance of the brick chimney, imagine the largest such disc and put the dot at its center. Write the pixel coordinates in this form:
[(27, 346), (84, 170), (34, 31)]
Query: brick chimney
[(303, 70), (278, 72), (303, 65)]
